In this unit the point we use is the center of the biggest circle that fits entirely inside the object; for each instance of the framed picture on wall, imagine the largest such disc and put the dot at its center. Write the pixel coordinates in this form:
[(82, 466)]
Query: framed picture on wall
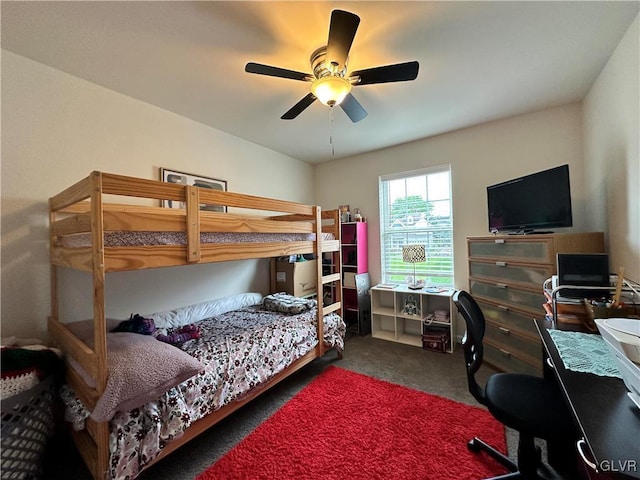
[(183, 178)]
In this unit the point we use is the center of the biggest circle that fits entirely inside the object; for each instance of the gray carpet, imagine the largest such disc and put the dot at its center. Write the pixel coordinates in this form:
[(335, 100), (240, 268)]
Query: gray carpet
[(432, 372)]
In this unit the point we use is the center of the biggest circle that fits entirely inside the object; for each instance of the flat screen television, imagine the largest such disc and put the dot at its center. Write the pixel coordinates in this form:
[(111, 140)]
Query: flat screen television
[(540, 200)]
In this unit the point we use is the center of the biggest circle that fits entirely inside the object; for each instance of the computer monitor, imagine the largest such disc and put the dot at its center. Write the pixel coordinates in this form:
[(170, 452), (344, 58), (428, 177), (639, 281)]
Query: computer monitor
[(583, 269)]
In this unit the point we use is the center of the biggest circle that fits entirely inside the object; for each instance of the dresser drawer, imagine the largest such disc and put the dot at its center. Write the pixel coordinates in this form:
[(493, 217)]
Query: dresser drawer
[(507, 272), (529, 251), (514, 341), (508, 360), (510, 319), (509, 296)]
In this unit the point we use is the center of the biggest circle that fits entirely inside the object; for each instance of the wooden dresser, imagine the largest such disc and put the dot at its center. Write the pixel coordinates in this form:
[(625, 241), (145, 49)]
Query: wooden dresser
[(506, 273)]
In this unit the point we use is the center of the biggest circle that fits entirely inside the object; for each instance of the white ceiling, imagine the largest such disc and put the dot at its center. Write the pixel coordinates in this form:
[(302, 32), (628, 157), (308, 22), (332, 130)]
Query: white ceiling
[(479, 61)]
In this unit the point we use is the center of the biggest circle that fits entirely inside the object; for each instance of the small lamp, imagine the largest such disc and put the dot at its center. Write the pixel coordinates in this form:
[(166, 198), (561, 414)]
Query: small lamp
[(414, 254)]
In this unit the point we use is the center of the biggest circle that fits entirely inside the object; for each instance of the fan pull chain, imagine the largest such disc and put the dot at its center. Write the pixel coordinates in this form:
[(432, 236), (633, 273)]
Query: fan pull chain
[(333, 152)]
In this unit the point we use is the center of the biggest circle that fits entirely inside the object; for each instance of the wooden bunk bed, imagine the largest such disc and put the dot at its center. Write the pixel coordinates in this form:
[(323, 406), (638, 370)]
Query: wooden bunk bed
[(86, 211)]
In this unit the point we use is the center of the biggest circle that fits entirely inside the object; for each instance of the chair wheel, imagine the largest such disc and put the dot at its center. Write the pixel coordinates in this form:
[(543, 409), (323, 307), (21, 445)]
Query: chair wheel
[(473, 446)]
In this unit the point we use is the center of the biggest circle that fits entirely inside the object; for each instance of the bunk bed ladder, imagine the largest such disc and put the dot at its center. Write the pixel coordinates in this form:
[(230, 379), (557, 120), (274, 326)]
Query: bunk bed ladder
[(334, 278)]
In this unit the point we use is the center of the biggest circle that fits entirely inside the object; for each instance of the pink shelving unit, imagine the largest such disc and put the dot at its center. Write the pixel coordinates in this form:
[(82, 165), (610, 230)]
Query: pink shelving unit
[(355, 281)]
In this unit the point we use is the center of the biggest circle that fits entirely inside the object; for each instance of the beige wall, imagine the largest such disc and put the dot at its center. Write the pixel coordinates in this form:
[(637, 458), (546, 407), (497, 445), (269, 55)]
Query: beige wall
[(56, 129), (612, 155), (479, 156)]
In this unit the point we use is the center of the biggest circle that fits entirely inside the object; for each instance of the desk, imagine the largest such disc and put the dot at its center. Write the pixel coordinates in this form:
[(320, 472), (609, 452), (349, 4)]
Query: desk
[(608, 419)]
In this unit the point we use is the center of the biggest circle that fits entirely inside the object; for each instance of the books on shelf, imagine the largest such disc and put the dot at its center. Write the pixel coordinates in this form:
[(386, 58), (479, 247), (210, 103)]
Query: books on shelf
[(389, 286)]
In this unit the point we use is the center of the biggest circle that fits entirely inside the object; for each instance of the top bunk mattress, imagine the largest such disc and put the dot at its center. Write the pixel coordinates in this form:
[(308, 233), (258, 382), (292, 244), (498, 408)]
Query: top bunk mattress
[(139, 238)]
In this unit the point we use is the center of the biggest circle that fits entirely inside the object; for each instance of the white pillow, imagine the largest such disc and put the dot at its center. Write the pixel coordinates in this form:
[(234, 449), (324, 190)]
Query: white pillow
[(194, 313)]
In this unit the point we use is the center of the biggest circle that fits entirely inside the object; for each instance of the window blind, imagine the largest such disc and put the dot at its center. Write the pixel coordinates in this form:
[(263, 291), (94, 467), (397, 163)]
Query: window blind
[(415, 208)]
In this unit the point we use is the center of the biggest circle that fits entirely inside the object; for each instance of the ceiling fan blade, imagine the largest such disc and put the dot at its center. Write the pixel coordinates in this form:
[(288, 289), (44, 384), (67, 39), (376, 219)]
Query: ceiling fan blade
[(400, 72), (297, 109), (342, 31), (261, 69), (353, 109)]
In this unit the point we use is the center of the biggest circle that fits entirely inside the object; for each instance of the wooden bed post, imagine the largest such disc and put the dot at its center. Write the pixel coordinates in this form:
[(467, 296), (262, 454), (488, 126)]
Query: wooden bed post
[(53, 269), (320, 294), (99, 316)]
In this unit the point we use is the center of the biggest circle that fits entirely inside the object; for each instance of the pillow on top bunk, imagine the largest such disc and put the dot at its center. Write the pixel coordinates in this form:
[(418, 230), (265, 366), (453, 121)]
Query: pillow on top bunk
[(285, 303), (200, 311), (141, 369)]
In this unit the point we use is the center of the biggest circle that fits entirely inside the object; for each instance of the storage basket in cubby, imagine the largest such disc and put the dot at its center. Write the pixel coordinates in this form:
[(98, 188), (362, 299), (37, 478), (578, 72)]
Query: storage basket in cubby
[(436, 339), (626, 311), (27, 424)]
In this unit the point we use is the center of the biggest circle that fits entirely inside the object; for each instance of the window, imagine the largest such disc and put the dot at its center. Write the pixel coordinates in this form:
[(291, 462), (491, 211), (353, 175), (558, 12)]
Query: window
[(415, 208)]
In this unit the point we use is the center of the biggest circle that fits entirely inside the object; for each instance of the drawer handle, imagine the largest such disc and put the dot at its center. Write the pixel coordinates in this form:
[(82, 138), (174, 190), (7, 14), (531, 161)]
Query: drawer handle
[(503, 308), (501, 285), (499, 240), (550, 363), (505, 353), (580, 444), (501, 264), (506, 331)]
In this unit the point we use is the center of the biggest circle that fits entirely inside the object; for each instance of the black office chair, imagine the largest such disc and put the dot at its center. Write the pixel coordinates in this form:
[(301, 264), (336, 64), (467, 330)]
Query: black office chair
[(533, 406)]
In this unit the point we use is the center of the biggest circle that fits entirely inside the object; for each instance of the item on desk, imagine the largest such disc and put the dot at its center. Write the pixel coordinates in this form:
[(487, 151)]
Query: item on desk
[(622, 337), (619, 281), (584, 352), (630, 375), (605, 308), (623, 334)]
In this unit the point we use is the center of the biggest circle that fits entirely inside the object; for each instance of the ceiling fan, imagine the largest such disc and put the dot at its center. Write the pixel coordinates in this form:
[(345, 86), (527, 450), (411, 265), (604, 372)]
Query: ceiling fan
[(329, 82)]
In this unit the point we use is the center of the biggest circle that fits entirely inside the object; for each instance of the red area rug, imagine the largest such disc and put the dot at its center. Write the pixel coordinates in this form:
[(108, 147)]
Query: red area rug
[(348, 425)]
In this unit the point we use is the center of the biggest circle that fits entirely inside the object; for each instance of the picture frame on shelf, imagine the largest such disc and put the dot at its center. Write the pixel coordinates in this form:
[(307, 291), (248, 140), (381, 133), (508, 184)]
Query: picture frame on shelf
[(184, 178)]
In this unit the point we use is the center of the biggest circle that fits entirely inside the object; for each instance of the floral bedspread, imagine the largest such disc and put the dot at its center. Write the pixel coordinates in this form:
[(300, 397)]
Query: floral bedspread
[(240, 350)]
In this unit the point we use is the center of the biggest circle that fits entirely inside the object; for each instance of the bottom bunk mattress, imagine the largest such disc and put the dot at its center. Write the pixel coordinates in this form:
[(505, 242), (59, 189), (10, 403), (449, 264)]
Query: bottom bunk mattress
[(240, 350)]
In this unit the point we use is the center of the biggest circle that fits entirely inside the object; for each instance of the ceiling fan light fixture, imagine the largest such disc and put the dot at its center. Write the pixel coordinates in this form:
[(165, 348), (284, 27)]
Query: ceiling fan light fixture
[(331, 90), (330, 81)]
